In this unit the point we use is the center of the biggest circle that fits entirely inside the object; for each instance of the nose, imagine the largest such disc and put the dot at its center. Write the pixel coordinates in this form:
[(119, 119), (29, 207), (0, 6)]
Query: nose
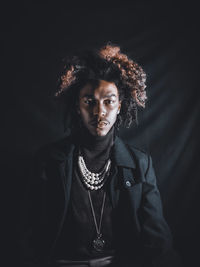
[(99, 110)]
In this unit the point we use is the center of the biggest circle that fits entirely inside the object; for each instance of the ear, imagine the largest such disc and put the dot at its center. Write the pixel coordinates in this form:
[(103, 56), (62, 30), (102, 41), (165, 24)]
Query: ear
[(119, 107)]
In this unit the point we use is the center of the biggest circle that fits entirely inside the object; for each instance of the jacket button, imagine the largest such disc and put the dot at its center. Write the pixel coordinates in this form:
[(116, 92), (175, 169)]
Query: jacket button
[(128, 184)]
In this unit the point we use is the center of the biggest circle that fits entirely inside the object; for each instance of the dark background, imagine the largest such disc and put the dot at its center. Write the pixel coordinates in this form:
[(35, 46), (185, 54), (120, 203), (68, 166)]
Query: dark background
[(163, 38)]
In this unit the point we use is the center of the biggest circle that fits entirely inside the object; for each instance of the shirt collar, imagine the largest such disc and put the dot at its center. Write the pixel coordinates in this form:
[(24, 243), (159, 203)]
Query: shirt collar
[(122, 155)]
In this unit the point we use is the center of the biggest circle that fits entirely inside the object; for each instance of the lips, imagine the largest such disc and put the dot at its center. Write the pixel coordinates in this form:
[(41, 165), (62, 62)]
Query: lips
[(100, 124)]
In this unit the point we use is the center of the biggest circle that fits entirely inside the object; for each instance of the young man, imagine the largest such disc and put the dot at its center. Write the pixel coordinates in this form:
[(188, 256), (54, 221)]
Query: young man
[(95, 201)]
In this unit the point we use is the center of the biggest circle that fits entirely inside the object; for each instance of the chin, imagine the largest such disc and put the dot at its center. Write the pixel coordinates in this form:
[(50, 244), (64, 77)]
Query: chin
[(101, 132), (98, 132)]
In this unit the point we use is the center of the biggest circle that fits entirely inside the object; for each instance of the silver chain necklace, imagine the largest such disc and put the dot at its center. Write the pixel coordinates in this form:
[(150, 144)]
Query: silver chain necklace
[(93, 181), (98, 242)]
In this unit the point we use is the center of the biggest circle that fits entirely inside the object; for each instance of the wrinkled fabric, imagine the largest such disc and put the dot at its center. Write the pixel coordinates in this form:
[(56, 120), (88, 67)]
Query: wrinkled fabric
[(142, 235)]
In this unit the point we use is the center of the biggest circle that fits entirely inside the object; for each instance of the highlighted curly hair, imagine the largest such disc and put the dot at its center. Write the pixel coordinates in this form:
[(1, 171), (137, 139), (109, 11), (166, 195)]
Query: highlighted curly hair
[(110, 64)]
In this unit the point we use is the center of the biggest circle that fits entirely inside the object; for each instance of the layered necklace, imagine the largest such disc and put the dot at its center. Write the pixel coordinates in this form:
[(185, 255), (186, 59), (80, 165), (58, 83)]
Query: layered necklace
[(93, 181)]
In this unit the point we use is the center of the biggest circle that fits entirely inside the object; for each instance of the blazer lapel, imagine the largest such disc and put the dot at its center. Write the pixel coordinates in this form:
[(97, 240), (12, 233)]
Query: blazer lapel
[(128, 179), (67, 176)]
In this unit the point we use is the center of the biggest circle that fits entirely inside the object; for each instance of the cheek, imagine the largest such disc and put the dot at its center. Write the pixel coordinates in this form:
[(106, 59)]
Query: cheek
[(113, 115), (84, 113)]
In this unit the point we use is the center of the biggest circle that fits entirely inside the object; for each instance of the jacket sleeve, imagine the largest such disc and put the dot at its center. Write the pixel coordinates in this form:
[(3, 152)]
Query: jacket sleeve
[(156, 235)]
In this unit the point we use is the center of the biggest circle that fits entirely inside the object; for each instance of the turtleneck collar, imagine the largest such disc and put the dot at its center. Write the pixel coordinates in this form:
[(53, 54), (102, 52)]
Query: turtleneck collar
[(95, 143), (95, 149)]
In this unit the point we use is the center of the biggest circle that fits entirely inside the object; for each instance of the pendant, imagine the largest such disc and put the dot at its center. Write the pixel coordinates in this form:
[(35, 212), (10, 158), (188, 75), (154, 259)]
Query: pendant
[(98, 244)]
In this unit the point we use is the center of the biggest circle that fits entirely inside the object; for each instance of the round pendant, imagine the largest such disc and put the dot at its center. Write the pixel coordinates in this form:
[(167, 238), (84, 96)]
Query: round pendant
[(98, 244)]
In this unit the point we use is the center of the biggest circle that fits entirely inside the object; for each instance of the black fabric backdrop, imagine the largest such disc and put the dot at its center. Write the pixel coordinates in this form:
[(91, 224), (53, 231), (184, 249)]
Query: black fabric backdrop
[(163, 38)]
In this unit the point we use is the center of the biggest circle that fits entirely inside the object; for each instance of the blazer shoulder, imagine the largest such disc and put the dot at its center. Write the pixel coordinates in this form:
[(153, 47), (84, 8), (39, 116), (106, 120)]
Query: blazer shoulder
[(138, 152), (141, 157)]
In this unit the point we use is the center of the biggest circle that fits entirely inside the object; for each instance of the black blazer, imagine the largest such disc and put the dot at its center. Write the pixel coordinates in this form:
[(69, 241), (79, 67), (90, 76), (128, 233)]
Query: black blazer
[(145, 233)]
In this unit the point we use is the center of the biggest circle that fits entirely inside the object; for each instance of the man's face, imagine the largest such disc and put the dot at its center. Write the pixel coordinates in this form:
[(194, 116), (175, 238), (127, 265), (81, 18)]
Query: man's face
[(98, 107)]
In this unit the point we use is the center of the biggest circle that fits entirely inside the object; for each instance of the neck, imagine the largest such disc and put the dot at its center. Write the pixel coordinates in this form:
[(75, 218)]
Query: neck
[(95, 143)]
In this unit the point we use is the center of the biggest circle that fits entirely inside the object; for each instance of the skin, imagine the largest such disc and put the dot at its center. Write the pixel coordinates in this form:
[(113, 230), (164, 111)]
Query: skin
[(99, 106)]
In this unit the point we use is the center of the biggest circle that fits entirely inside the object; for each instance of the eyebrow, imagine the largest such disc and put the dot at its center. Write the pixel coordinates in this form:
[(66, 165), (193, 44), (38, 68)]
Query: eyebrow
[(92, 96)]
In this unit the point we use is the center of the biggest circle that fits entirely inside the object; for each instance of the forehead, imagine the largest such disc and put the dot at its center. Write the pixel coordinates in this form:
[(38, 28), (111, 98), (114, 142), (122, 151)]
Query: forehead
[(100, 89)]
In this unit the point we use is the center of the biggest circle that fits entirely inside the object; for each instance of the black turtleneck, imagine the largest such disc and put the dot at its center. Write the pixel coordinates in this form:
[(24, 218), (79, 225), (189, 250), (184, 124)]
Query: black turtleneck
[(79, 229), (95, 149)]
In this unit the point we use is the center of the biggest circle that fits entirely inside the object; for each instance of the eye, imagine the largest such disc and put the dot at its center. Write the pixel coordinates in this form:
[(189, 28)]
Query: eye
[(109, 101), (89, 101)]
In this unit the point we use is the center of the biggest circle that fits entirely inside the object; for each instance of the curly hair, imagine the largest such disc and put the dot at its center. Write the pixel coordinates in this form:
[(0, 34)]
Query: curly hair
[(110, 64)]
